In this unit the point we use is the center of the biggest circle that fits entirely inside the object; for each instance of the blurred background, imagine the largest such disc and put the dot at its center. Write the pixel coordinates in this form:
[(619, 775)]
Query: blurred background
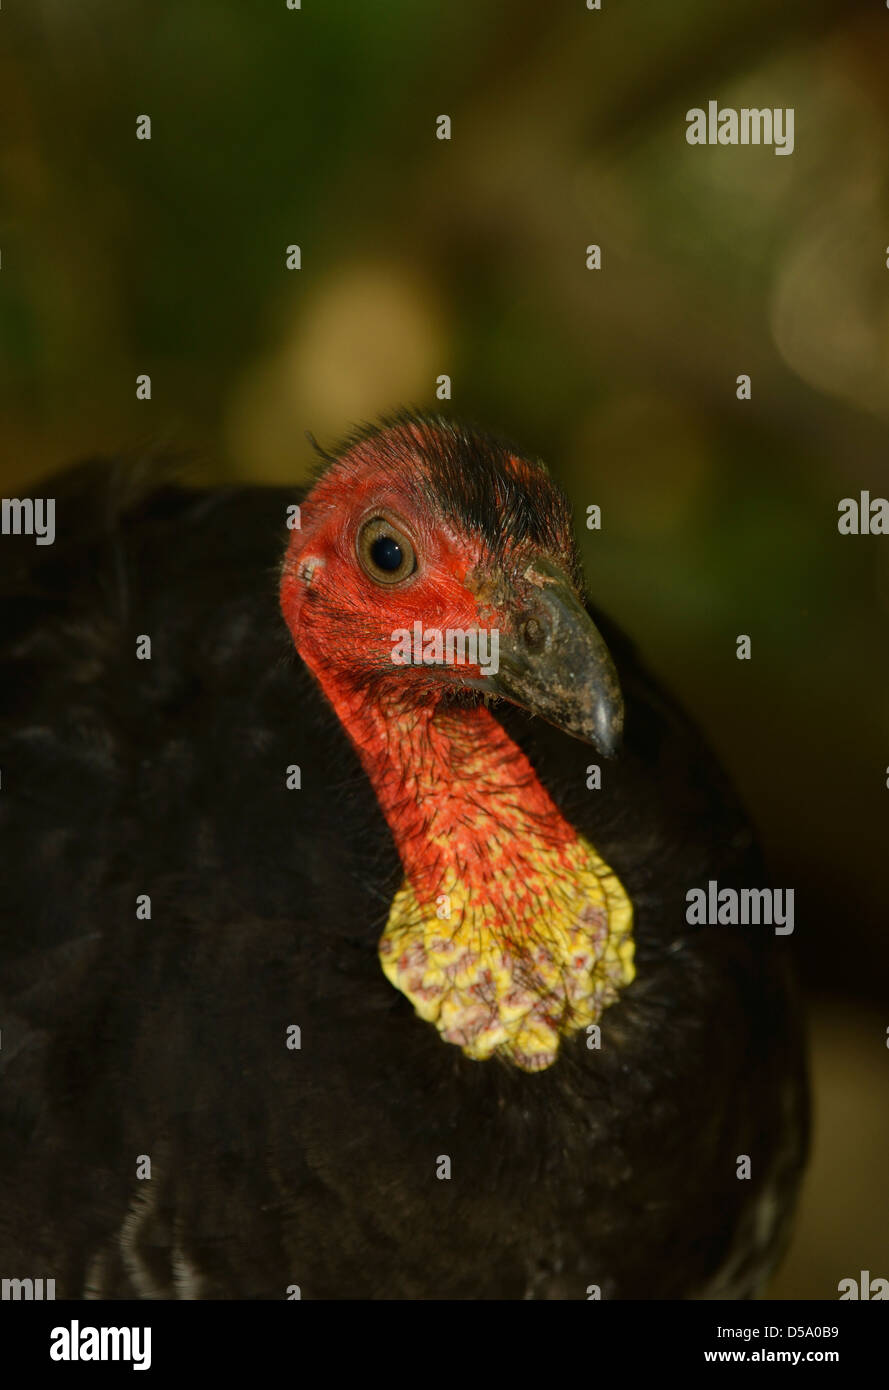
[(419, 257)]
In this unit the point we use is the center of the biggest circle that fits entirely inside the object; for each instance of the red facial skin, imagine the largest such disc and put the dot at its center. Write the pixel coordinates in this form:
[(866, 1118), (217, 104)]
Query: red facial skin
[(343, 620), (451, 783)]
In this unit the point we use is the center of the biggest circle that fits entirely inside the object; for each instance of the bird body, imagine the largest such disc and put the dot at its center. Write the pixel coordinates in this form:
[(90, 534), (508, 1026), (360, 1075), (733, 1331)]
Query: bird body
[(199, 945)]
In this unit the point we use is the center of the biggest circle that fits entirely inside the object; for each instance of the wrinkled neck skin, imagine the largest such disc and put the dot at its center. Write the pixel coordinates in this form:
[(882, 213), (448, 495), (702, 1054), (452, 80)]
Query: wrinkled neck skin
[(509, 931), (453, 787)]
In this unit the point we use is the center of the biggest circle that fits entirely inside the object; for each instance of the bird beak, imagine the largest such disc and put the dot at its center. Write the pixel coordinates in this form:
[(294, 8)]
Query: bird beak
[(554, 663)]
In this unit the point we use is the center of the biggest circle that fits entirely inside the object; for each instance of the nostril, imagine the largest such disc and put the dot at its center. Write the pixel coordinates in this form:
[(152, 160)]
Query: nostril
[(533, 634)]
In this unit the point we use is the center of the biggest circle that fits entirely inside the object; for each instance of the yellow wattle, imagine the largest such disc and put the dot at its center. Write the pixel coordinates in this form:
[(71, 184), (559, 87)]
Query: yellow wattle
[(537, 955)]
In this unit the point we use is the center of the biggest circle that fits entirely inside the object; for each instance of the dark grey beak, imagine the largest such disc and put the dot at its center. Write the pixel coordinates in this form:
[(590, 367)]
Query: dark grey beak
[(555, 663)]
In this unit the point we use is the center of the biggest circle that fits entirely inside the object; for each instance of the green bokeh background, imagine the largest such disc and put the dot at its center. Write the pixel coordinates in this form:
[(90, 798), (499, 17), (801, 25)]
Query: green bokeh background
[(467, 257)]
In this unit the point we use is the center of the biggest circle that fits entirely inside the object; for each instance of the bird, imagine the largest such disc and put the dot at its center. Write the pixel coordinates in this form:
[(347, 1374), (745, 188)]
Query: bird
[(344, 941)]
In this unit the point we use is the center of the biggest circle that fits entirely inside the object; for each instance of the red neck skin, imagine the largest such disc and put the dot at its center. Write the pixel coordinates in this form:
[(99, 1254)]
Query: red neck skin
[(460, 799)]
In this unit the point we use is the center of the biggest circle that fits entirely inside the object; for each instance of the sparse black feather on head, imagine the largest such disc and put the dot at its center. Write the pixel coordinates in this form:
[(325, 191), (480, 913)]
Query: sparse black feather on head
[(477, 480)]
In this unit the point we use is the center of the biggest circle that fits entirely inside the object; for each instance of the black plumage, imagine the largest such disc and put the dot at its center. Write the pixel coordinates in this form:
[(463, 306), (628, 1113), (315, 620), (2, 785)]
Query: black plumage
[(273, 1167)]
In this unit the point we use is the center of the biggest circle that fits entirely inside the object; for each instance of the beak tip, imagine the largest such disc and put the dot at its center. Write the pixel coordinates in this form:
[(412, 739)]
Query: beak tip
[(607, 732)]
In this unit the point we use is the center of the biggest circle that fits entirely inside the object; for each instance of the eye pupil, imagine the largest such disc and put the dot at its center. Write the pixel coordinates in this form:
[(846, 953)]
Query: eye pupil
[(386, 553)]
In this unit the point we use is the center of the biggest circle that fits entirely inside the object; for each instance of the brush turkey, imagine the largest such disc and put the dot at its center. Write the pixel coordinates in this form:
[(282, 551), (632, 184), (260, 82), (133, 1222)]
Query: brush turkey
[(329, 964)]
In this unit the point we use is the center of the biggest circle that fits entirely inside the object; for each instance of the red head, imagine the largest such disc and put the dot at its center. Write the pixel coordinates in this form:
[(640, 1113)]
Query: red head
[(424, 523)]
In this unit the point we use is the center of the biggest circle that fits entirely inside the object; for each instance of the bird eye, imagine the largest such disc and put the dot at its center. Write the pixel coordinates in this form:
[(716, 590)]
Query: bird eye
[(385, 552)]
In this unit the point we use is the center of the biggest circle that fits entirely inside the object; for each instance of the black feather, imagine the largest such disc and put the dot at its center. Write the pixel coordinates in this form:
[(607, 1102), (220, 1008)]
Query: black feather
[(271, 1167)]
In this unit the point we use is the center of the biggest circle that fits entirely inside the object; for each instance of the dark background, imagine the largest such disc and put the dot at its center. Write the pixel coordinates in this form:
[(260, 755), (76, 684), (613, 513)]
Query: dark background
[(421, 257)]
